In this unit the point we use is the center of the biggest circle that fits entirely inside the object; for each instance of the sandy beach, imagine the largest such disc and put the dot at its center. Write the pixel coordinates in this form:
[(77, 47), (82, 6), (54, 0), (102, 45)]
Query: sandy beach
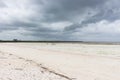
[(17, 68), (62, 61)]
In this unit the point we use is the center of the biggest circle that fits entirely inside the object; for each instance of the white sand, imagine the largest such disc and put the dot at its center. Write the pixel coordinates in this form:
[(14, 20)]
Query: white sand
[(78, 61), (17, 68)]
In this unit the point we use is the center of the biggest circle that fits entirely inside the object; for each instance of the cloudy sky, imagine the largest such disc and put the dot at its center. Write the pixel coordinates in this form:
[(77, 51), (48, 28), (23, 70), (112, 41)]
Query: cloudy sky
[(80, 20)]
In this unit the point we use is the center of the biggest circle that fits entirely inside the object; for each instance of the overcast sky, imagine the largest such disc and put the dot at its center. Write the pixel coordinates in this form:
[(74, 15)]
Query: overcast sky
[(81, 20)]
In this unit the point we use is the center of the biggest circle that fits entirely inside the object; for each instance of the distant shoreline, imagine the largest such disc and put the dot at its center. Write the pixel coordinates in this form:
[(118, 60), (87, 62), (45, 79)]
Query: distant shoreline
[(77, 42)]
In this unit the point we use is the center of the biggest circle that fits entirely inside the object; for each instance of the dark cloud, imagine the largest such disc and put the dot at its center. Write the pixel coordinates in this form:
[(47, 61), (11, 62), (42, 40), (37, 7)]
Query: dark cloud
[(105, 12), (65, 10), (108, 15), (69, 9), (73, 27)]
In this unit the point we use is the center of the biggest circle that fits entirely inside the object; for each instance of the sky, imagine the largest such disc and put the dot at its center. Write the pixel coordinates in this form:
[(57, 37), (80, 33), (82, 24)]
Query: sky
[(64, 20)]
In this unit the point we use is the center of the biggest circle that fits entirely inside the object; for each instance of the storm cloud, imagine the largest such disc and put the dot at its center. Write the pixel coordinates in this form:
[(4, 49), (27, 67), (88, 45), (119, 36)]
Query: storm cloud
[(88, 20)]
